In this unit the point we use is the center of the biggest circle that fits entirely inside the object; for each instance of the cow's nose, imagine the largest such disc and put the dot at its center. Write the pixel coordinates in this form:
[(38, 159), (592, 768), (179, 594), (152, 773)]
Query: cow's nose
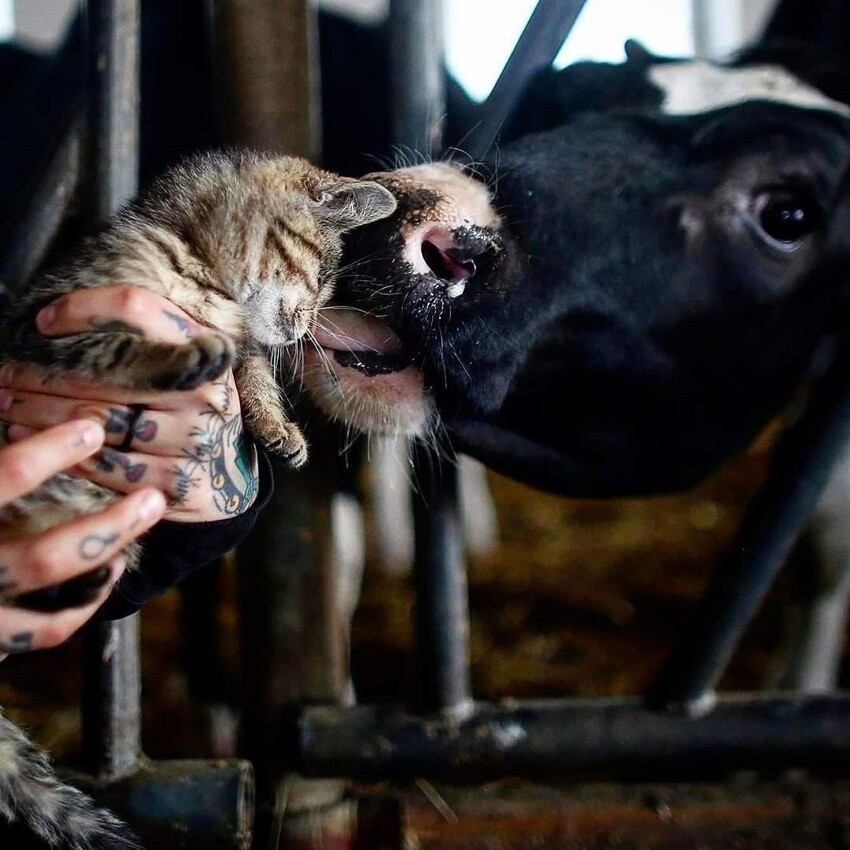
[(452, 256), (449, 264)]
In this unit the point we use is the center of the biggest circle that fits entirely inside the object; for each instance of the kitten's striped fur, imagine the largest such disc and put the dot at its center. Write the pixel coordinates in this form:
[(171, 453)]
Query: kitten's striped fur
[(244, 243)]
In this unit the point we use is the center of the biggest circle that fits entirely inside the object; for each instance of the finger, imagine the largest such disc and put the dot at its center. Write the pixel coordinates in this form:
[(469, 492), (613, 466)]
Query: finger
[(21, 631), (31, 378), (67, 550), (27, 464), (185, 483), (204, 487), (18, 378), (161, 433), (76, 592), (130, 309), (128, 472)]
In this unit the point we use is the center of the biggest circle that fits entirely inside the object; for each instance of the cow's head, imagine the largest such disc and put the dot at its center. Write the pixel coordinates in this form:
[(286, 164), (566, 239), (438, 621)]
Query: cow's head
[(615, 304)]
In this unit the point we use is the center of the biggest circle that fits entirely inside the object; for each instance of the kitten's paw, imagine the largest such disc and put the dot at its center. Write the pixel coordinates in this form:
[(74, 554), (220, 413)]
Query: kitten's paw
[(284, 441), (203, 359)]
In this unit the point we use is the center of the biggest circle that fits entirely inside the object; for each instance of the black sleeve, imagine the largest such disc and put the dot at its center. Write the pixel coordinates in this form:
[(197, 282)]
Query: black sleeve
[(173, 550)]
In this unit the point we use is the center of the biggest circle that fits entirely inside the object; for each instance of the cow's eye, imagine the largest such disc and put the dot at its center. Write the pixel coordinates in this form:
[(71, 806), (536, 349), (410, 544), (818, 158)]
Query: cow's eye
[(785, 218)]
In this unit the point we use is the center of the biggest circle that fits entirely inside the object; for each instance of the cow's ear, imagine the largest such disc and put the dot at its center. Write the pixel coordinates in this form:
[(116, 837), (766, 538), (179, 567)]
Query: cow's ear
[(637, 54)]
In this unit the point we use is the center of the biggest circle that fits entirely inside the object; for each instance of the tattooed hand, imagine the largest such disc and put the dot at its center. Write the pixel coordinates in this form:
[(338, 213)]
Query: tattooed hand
[(80, 557), (190, 444)]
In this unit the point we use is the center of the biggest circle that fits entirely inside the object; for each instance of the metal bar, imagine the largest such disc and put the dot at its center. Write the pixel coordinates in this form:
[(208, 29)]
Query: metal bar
[(442, 618), (417, 78), (562, 738), (266, 81), (802, 465), (111, 708), (536, 49), (112, 697), (442, 607), (113, 31), (45, 211), (182, 805)]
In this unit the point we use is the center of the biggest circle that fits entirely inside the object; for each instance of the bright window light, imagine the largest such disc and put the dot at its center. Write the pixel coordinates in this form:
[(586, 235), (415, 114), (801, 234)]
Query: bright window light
[(7, 20), (480, 34)]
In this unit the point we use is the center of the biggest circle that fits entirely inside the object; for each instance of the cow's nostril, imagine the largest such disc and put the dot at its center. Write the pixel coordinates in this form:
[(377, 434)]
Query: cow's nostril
[(444, 266)]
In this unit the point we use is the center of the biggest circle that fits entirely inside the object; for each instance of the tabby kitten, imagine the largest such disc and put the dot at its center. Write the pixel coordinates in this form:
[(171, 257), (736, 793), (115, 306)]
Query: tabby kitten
[(247, 245)]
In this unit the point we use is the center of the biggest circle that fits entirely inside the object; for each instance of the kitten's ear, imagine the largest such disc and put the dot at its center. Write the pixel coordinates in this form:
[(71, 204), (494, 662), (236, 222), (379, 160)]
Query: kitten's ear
[(350, 205)]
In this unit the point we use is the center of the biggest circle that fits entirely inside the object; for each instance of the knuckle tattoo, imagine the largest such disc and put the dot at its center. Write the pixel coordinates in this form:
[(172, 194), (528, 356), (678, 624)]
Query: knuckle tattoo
[(16, 642), (94, 546), (111, 461), (7, 584)]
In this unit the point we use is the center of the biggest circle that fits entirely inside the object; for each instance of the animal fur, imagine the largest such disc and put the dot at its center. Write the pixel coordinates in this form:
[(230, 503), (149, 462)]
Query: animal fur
[(59, 815)]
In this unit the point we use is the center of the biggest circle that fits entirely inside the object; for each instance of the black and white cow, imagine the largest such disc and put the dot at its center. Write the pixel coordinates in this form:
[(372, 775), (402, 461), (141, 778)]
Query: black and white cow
[(642, 281), (632, 295)]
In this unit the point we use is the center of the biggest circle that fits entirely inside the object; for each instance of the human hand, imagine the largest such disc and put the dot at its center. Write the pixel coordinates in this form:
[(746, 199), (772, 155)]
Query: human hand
[(189, 444), (52, 582)]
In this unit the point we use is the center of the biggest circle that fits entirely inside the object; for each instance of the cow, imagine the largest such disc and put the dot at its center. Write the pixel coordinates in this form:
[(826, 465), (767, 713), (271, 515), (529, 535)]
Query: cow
[(625, 293)]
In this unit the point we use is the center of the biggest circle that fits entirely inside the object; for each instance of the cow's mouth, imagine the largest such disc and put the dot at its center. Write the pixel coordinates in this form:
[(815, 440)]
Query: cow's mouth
[(360, 373), (356, 340), (372, 363)]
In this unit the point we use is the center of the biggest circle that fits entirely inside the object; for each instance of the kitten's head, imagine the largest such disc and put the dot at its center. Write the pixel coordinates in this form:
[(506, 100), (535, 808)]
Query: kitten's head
[(305, 213)]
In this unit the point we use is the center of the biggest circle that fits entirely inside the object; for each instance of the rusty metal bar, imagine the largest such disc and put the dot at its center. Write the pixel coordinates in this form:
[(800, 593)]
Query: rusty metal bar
[(442, 606), (266, 80), (113, 106), (112, 698), (802, 465), (111, 709), (621, 738), (182, 805)]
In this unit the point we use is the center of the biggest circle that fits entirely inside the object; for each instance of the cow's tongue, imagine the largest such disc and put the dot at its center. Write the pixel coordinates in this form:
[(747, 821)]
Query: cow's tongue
[(361, 342)]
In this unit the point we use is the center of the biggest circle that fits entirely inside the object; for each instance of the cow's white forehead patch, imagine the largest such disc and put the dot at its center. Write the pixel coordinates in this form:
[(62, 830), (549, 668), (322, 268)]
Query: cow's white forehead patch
[(691, 88)]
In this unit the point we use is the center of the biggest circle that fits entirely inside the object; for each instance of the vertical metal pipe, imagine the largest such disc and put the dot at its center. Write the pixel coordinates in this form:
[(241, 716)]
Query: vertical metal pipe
[(266, 74), (536, 49), (442, 616), (803, 463), (111, 706), (294, 643), (113, 33), (442, 606), (112, 698), (417, 76)]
